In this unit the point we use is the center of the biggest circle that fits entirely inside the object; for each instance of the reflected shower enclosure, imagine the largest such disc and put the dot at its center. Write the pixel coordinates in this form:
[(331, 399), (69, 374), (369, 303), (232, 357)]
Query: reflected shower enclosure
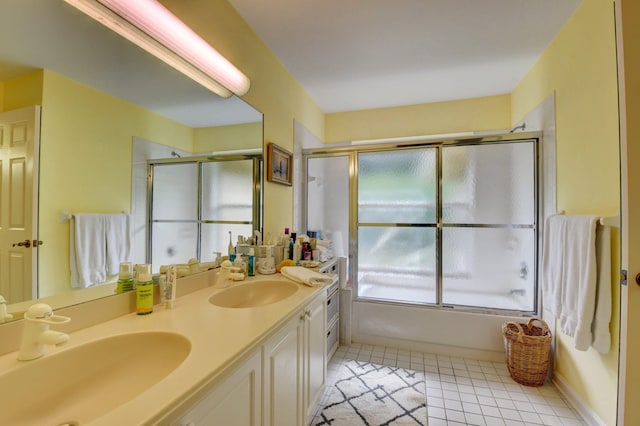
[(195, 202)]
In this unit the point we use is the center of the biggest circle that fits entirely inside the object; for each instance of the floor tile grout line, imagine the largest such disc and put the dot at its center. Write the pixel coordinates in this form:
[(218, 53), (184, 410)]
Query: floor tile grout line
[(501, 383)]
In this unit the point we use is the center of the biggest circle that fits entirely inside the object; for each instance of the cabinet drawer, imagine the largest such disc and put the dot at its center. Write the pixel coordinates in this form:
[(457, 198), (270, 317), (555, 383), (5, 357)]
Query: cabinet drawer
[(333, 306), (332, 338)]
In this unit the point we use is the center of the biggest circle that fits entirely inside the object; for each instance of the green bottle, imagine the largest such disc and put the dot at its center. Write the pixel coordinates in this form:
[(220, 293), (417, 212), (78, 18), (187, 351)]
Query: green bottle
[(125, 278), (144, 291)]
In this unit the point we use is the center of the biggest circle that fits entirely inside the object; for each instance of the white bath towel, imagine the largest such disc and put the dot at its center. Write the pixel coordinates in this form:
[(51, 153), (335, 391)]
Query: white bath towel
[(552, 263), (118, 241), (306, 276), (97, 244), (87, 250), (602, 318), (571, 275)]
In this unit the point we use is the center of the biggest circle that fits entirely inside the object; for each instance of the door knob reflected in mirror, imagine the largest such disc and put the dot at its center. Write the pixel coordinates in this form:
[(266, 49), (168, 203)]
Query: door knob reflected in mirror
[(28, 243)]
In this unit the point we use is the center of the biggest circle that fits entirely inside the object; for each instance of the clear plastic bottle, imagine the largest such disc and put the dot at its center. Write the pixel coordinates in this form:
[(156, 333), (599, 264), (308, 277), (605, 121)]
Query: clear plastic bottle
[(144, 290), (125, 278)]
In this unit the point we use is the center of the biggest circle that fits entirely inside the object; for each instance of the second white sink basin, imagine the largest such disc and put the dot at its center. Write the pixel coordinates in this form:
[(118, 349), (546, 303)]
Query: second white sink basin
[(253, 294), (80, 384)]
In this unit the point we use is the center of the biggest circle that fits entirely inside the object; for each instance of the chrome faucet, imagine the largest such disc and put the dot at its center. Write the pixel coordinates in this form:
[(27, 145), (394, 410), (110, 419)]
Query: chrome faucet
[(36, 333)]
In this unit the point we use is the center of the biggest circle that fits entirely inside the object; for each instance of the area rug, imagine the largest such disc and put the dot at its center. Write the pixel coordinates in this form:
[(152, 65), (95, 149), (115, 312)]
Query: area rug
[(375, 395)]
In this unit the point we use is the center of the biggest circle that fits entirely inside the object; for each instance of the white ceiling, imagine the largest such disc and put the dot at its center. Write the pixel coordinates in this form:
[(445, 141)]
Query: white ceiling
[(360, 54), (347, 54)]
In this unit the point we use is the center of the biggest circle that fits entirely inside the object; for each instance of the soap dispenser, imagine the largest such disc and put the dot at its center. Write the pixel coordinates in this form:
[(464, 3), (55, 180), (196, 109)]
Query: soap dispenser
[(4, 315), (144, 290), (125, 278)]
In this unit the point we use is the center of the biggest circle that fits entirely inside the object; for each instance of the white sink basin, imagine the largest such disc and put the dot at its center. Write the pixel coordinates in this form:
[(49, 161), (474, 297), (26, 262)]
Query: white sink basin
[(253, 294), (80, 384)]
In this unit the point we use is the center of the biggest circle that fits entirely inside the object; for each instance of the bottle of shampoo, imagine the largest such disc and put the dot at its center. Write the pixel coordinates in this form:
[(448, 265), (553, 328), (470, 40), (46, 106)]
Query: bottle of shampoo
[(144, 290), (292, 242), (125, 278), (251, 263)]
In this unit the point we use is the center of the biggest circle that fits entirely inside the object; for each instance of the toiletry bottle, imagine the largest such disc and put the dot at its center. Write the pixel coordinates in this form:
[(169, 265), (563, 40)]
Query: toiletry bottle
[(170, 295), (297, 249), (162, 286), (230, 248), (125, 278), (238, 262), (144, 290), (292, 241), (251, 263), (136, 273)]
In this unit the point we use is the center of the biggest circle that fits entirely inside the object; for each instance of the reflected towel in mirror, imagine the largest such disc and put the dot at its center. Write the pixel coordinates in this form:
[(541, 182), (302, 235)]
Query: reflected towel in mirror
[(97, 244), (306, 276)]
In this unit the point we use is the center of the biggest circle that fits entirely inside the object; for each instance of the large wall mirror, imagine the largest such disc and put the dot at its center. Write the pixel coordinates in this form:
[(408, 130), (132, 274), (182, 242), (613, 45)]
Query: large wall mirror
[(98, 93)]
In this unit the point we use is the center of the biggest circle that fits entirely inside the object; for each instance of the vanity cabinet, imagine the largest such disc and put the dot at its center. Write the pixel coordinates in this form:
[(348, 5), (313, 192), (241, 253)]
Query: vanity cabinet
[(294, 367), (236, 400), (279, 384), (282, 375)]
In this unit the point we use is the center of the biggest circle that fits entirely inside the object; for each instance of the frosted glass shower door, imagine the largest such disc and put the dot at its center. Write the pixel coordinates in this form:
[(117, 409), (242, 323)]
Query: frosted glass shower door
[(227, 205), (328, 200), (397, 211), (488, 235), (175, 213)]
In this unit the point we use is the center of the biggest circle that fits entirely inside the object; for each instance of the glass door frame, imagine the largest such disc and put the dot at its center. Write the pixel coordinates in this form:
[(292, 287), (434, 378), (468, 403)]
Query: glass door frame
[(352, 151), (257, 196)]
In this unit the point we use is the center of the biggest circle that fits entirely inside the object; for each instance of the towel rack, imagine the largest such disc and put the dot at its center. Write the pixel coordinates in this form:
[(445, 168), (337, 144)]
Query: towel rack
[(65, 216), (613, 221)]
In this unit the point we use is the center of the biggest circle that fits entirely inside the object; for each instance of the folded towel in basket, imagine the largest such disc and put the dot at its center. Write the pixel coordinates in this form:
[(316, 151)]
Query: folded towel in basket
[(306, 276)]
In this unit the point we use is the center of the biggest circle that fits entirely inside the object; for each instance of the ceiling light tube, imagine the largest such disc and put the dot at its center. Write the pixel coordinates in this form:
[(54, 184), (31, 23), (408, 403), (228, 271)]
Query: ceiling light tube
[(154, 28)]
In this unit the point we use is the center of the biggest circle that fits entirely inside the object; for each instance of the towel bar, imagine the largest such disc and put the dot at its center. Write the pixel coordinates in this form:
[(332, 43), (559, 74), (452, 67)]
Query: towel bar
[(65, 216), (613, 221)]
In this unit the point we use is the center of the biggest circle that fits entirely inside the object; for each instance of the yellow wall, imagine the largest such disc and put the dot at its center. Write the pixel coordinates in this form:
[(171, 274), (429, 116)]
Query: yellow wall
[(477, 114), (630, 55), (228, 138), (85, 162), (273, 91), (580, 67), (22, 91)]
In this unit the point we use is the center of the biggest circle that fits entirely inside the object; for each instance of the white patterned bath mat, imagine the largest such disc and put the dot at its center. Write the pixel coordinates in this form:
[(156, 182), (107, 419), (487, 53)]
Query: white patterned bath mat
[(375, 395)]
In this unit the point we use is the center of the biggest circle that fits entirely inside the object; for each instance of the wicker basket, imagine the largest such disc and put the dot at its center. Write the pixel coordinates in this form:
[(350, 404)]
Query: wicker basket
[(527, 349)]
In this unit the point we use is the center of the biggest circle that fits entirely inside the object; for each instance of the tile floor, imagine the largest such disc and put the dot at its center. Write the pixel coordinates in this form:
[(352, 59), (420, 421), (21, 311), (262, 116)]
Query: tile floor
[(463, 391)]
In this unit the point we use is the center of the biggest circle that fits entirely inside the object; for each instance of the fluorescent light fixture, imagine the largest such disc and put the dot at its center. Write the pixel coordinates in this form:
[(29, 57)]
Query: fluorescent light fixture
[(154, 28)]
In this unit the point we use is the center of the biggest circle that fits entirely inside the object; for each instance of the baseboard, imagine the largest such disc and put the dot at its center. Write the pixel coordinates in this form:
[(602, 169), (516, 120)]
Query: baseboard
[(452, 351), (587, 414)]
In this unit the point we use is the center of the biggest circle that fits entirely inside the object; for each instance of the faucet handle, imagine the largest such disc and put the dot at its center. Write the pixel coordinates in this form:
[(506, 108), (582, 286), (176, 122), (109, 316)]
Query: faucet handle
[(41, 312)]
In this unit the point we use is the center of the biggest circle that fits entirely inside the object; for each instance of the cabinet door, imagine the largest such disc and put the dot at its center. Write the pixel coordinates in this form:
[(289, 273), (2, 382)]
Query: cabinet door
[(233, 402), (282, 376), (315, 355)]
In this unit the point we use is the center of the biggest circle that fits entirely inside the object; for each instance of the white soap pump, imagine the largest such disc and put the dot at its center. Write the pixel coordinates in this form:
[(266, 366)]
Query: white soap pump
[(4, 315)]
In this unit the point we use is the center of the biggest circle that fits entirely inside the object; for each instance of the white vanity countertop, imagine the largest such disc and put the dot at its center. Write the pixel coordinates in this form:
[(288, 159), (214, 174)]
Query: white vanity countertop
[(219, 337)]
